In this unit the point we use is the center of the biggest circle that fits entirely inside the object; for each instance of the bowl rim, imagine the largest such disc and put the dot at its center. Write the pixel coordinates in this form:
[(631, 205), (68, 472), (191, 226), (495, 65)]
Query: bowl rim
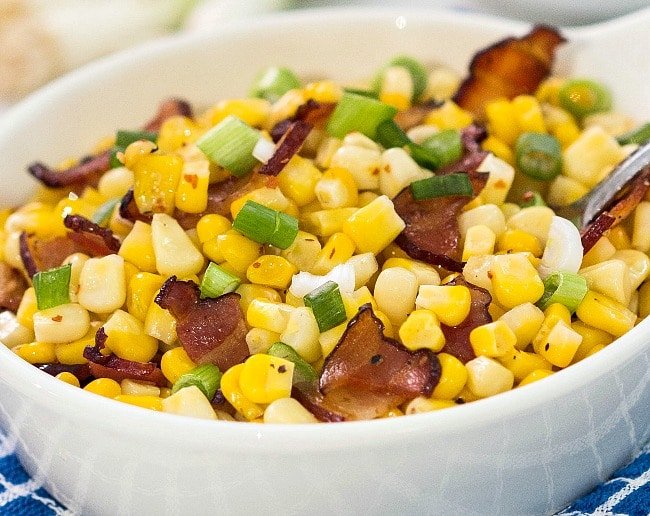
[(36, 385)]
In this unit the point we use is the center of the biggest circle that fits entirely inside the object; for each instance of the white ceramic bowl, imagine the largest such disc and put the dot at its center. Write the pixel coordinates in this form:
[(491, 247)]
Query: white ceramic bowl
[(531, 450)]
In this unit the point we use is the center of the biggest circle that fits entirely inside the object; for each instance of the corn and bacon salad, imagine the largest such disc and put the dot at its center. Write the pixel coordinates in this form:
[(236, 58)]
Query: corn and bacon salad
[(314, 252)]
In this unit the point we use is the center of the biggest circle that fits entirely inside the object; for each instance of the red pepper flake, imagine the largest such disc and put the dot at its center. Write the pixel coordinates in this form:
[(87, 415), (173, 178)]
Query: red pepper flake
[(57, 318), (192, 179)]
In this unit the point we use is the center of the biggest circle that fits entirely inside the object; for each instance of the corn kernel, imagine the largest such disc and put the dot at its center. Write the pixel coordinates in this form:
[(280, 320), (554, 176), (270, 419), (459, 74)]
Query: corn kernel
[(271, 271), (487, 215), (175, 252), (493, 339), (500, 179), (230, 387), (601, 251), (175, 363), (361, 162), (525, 321), (106, 387), (102, 284), (479, 240), (260, 340), (147, 402), (453, 377), (560, 345), (501, 120), (535, 220), (397, 170), (116, 182), (644, 300), (161, 324), (36, 352), (640, 232), (450, 303), (27, 309), (176, 132), (62, 323), (528, 114), (192, 190), (127, 339), (12, 333), (449, 116), (619, 238), (68, 378), (253, 111), (248, 292), (563, 191), (137, 247), (330, 338), (421, 330), (421, 405), (298, 180), (189, 401), (156, 180), (606, 314), (638, 263), (395, 293), (336, 189), (522, 363), (338, 249), (270, 197), (610, 278), (326, 222), (518, 241), (268, 315), (73, 352), (212, 225), (374, 226), (302, 253), (499, 148), (487, 377), (515, 280), (136, 388), (591, 338), (265, 378), (237, 250), (302, 334), (538, 374), (141, 290), (287, 411)]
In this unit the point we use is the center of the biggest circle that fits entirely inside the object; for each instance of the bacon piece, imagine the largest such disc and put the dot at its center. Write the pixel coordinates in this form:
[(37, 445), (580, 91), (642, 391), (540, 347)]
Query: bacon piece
[(116, 368), (510, 67), (168, 108), (210, 330), (81, 371), (457, 337), (96, 240), (288, 146), (86, 173), (41, 255), (312, 112), (12, 287), (129, 209), (415, 115)]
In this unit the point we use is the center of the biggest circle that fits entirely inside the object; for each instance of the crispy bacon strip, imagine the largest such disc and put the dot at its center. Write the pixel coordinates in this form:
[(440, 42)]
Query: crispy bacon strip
[(210, 330), (415, 115), (86, 173), (116, 368), (510, 67), (288, 146), (97, 241), (12, 287), (41, 255), (168, 108), (129, 209), (81, 371), (311, 112)]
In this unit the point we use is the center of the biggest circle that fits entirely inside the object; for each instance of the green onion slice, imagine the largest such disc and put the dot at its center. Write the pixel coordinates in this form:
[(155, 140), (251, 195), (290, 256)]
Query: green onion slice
[(327, 304), (415, 68), (217, 282), (52, 287), (532, 198), (582, 97), (303, 371), (103, 214), (114, 162), (125, 138), (274, 82), (363, 93), (639, 136), (446, 145), (538, 155), (206, 377), (442, 186), (230, 144), (565, 288), (390, 135), (358, 113), (265, 225)]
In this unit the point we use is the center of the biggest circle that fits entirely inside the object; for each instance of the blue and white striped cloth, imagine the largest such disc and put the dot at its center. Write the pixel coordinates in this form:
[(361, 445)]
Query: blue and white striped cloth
[(627, 493)]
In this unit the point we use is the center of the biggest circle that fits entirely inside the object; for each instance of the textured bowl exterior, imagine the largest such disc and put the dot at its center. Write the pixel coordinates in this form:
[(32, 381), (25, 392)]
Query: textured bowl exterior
[(528, 451)]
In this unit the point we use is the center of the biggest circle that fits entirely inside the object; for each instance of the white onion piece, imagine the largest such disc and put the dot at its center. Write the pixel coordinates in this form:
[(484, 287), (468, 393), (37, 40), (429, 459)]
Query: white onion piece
[(304, 282), (563, 251), (263, 150)]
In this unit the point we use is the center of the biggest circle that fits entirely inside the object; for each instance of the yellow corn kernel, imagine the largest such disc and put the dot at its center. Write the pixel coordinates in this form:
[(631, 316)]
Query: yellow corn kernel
[(62, 323), (326, 222), (302, 334), (644, 300), (270, 197), (323, 91), (248, 292), (610, 278), (36, 352), (591, 338), (237, 250), (601, 251), (374, 226), (395, 293), (268, 315), (557, 312), (106, 387), (487, 215), (189, 401), (479, 240), (142, 401), (156, 181), (330, 338), (487, 377), (35, 218), (77, 262), (271, 271), (27, 309), (640, 231), (298, 180), (549, 90), (453, 377), (450, 303), (176, 132), (102, 284), (338, 249), (165, 392), (518, 241), (619, 238), (115, 183), (212, 225), (538, 374), (522, 363), (337, 189), (638, 264), (449, 116), (137, 247), (499, 148), (68, 378), (425, 273), (560, 345), (141, 290), (73, 352), (252, 111), (535, 220), (127, 339), (70, 205), (421, 330), (12, 333), (192, 190), (528, 114), (302, 253), (525, 321), (421, 405), (563, 191), (605, 314), (265, 378), (174, 363), (260, 340), (493, 339), (160, 324), (501, 120), (515, 280), (233, 393), (495, 311), (566, 133)]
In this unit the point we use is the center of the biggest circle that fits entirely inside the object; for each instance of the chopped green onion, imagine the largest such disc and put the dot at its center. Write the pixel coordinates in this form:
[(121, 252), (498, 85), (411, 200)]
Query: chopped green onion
[(206, 377), (274, 82), (114, 161), (359, 91), (265, 225), (358, 113), (217, 281), (582, 97), (103, 214), (565, 288), (639, 136), (416, 70), (390, 135), (230, 144), (442, 186), (125, 138), (446, 145), (303, 371), (327, 304), (52, 287), (532, 198), (538, 155)]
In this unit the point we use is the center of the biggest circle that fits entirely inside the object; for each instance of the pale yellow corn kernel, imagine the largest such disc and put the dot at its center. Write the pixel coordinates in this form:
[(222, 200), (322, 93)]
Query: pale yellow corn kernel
[(330, 338), (363, 163), (116, 182), (365, 266), (420, 405), (137, 388), (235, 249), (644, 300), (302, 253), (395, 293), (298, 180), (175, 252), (271, 271), (487, 215), (362, 296), (252, 111), (524, 320), (189, 401), (502, 121), (487, 377), (27, 309), (366, 198), (500, 179), (515, 280), (420, 133), (449, 116), (442, 83), (528, 114), (534, 376), (535, 220), (638, 263), (146, 402), (560, 345), (102, 284), (641, 227), (71, 353), (36, 352), (479, 240), (522, 363), (337, 250), (260, 340), (425, 273), (450, 303), (393, 251), (175, 363), (397, 170), (288, 411), (248, 292), (77, 261), (611, 278), (63, 323), (142, 289), (160, 324), (605, 314), (557, 312), (633, 305), (421, 330), (601, 251), (192, 190), (453, 377), (212, 225), (337, 189), (619, 238), (564, 190), (374, 226), (268, 315), (326, 149), (477, 272), (68, 378), (499, 148), (591, 338), (358, 139), (265, 378), (396, 87), (518, 241), (137, 247), (293, 300), (106, 387), (118, 225), (12, 332), (612, 122), (509, 209), (127, 339), (302, 334), (326, 222), (554, 314), (494, 339)]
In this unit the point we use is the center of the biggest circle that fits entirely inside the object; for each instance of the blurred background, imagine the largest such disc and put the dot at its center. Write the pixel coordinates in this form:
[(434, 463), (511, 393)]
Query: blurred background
[(41, 39)]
